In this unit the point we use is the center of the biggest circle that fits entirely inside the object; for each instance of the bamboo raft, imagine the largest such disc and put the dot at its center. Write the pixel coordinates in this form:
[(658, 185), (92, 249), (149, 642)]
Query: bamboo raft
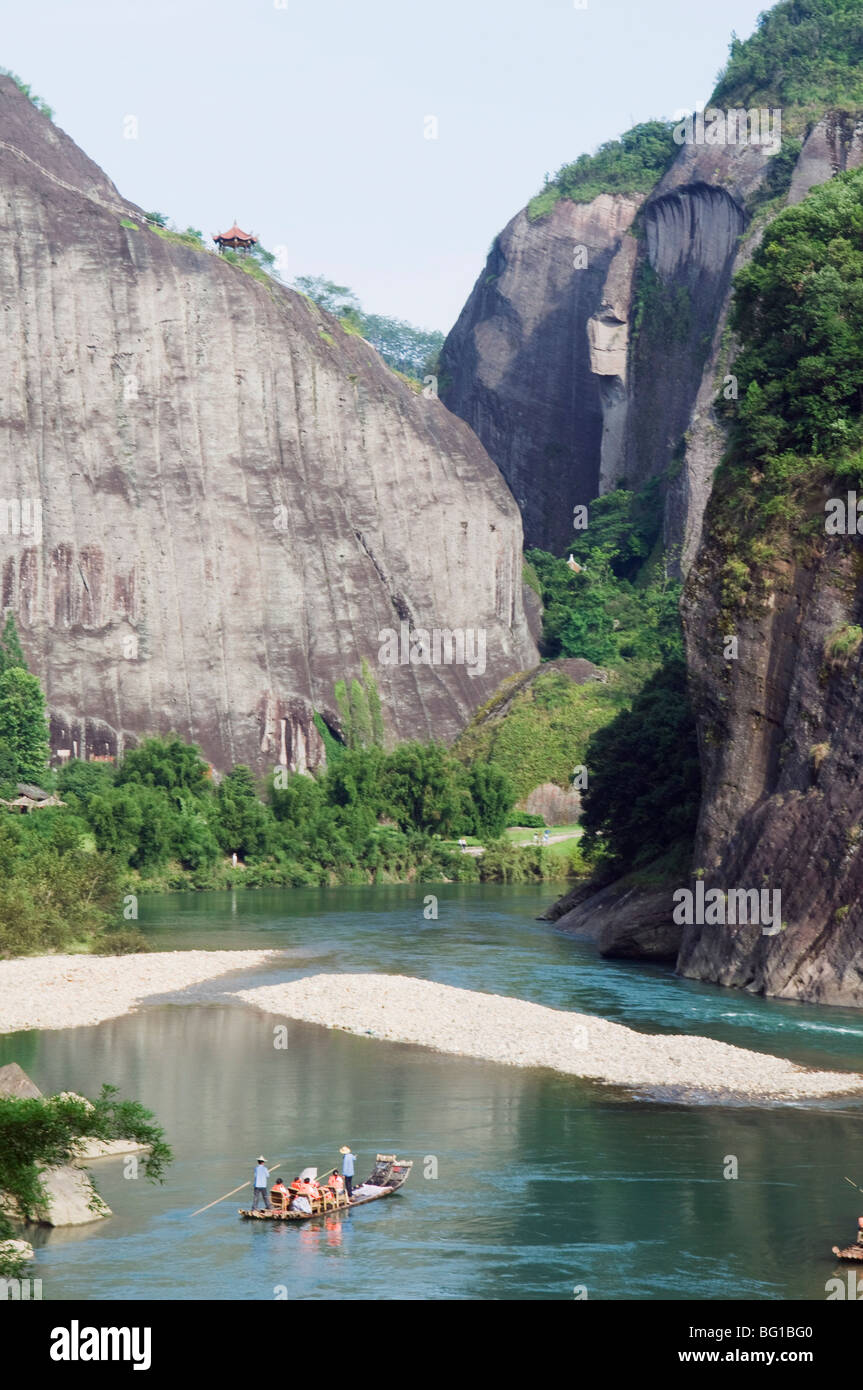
[(851, 1252), (388, 1173)]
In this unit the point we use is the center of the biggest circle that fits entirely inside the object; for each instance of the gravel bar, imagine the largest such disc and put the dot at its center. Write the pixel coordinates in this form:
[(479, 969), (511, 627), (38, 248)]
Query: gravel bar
[(75, 991), (72, 991), (518, 1033)]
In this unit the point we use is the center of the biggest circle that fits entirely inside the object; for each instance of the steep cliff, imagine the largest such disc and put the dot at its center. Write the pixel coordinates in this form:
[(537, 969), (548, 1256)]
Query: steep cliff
[(579, 380), (782, 802), (783, 778), (518, 365), (223, 497), (772, 612)]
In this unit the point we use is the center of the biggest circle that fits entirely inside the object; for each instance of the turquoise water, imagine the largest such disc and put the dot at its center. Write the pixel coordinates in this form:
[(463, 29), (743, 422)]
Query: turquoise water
[(543, 1184)]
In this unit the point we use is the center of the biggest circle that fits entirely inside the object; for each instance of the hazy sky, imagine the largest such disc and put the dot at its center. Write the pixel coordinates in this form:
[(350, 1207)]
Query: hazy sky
[(305, 119)]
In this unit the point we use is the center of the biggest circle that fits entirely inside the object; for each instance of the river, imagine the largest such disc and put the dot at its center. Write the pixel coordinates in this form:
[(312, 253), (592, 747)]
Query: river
[(526, 1184)]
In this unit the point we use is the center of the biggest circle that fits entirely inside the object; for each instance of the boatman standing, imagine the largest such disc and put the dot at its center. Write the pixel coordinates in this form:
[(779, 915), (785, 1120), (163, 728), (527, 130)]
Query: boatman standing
[(261, 1182), (348, 1164)]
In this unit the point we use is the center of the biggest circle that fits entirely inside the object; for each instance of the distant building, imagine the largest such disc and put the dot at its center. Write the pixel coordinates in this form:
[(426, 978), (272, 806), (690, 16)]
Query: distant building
[(30, 798), (574, 566), (235, 239)]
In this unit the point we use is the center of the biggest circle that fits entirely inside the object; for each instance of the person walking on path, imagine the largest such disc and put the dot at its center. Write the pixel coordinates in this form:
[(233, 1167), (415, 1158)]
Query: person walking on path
[(261, 1182), (349, 1162)]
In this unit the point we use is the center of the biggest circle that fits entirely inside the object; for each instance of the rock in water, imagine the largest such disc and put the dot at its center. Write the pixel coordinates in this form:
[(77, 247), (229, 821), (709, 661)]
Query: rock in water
[(626, 921), (223, 497), (16, 1084), (72, 1198)]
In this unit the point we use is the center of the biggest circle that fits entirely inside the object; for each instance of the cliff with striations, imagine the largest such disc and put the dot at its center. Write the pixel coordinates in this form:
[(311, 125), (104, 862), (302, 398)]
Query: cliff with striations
[(223, 497)]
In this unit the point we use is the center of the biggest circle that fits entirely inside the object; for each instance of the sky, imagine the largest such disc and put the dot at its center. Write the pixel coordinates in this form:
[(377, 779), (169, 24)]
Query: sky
[(309, 120)]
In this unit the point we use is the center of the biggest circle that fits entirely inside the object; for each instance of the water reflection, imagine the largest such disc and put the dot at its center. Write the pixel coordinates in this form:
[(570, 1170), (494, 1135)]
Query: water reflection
[(544, 1183)]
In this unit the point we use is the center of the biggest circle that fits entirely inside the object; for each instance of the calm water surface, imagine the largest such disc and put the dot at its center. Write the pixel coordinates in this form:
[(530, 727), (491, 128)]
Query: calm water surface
[(544, 1183)]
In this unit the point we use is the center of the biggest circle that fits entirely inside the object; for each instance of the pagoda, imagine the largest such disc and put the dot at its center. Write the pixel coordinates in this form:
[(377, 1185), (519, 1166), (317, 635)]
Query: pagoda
[(235, 239)]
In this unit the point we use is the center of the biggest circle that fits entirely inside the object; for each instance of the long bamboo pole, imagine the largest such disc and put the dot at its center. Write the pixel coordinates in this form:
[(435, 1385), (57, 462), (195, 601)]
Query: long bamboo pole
[(247, 1184), (231, 1193)]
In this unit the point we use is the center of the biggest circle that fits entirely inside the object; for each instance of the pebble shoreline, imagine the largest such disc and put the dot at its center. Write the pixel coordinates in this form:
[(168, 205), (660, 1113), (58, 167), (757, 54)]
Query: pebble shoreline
[(75, 991), (515, 1032)]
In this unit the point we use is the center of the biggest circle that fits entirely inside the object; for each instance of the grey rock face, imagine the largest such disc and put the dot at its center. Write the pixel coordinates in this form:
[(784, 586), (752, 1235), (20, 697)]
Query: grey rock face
[(16, 1084), (578, 381), (72, 1199), (517, 365), (626, 922), (236, 497), (832, 146), (783, 779)]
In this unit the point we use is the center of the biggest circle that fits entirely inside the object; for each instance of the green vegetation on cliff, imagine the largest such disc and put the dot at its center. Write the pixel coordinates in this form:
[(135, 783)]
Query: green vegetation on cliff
[(544, 734), (411, 351), (622, 606), (641, 804), (620, 612), (796, 427), (41, 106), (632, 164), (804, 54)]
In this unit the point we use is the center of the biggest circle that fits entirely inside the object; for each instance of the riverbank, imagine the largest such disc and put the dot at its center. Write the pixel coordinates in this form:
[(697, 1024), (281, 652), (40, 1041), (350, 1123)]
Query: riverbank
[(74, 991)]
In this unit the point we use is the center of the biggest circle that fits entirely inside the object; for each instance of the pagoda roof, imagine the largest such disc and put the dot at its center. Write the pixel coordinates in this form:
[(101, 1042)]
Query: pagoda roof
[(235, 233)]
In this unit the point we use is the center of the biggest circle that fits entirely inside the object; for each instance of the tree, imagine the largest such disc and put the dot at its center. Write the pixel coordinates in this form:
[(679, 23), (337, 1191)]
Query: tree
[(11, 653), (645, 776), (45, 1131), (798, 309), (168, 763), (241, 827), (419, 788), (409, 350), (23, 727), (491, 798), (334, 299)]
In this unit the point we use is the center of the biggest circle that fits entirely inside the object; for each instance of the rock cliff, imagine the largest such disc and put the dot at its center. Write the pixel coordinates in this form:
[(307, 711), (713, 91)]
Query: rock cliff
[(582, 372), (212, 498), (518, 365), (782, 802), (646, 348), (783, 776), (71, 1199)]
